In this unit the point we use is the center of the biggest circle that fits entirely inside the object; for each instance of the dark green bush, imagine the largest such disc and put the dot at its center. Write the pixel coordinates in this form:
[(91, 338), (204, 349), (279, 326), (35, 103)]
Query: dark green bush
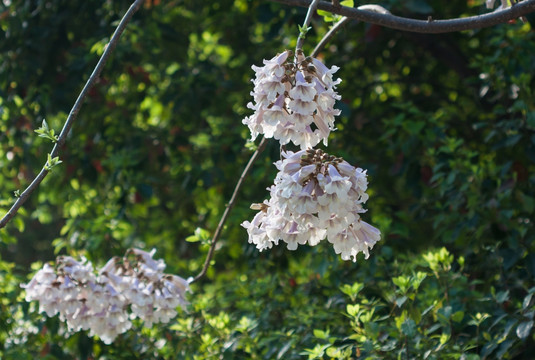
[(445, 125)]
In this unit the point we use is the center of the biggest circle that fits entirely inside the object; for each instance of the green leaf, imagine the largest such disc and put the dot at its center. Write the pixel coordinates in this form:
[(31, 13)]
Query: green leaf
[(527, 301), (200, 234), (400, 320), (303, 31), (45, 132), (330, 17), (327, 16), (502, 296), (52, 162), (444, 314), (320, 334), (401, 300), (403, 282), (317, 352), (352, 290), (338, 353), (504, 347), (417, 279), (285, 348), (458, 316), (523, 329), (444, 338), (408, 327), (193, 238), (19, 223), (353, 309)]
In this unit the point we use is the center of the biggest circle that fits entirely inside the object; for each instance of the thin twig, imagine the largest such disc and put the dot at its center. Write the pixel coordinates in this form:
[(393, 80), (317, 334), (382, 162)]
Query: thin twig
[(230, 205), (308, 18), (327, 37), (74, 113), (424, 26)]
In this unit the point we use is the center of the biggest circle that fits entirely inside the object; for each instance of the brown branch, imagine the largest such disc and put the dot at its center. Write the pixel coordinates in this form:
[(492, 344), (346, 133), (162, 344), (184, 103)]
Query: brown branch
[(424, 26), (74, 113), (308, 18), (230, 205), (327, 37)]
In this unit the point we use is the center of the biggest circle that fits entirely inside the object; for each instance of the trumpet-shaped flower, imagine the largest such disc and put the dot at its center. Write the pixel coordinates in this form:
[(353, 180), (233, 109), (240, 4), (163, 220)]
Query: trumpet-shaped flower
[(315, 196), (99, 302), (293, 100)]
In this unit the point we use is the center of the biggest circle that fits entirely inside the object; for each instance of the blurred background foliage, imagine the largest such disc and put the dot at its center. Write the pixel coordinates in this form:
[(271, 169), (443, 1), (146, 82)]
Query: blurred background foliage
[(445, 125)]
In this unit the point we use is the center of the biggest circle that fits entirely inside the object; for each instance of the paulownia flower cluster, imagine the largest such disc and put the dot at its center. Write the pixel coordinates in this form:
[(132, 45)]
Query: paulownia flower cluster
[(99, 302), (293, 101), (316, 196)]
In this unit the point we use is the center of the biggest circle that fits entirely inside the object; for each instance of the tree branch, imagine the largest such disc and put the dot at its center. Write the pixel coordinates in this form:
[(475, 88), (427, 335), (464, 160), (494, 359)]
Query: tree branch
[(230, 205), (431, 26), (308, 18), (327, 37), (74, 113)]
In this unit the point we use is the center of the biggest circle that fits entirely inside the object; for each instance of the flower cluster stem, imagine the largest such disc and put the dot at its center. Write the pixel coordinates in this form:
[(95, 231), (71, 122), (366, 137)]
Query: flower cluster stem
[(231, 203)]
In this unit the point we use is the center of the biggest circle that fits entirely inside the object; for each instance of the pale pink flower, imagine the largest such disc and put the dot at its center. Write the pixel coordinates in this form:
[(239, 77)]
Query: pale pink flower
[(293, 100), (315, 196), (100, 302)]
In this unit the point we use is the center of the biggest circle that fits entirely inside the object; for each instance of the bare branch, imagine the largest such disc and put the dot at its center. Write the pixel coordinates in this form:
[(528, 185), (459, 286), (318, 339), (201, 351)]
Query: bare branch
[(230, 205), (308, 18), (329, 36), (431, 26), (374, 8), (74, 113)]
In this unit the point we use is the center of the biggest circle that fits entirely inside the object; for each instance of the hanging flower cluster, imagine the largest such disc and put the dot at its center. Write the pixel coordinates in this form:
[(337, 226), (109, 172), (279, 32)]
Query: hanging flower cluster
[(293, 101), (99, 302), (315, 196)]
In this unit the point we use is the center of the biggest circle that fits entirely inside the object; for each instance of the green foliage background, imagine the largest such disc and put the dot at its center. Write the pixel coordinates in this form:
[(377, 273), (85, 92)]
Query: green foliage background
[(444, 123)]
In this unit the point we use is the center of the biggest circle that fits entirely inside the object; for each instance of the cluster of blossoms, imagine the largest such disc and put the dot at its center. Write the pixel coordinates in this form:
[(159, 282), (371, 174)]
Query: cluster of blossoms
[(293, 101), (99, 302), (315, 196)]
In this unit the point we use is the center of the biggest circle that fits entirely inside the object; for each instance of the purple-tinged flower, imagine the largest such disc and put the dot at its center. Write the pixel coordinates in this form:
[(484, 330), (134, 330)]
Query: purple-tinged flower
[(293, 100), (99, 302), (315, 196)]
